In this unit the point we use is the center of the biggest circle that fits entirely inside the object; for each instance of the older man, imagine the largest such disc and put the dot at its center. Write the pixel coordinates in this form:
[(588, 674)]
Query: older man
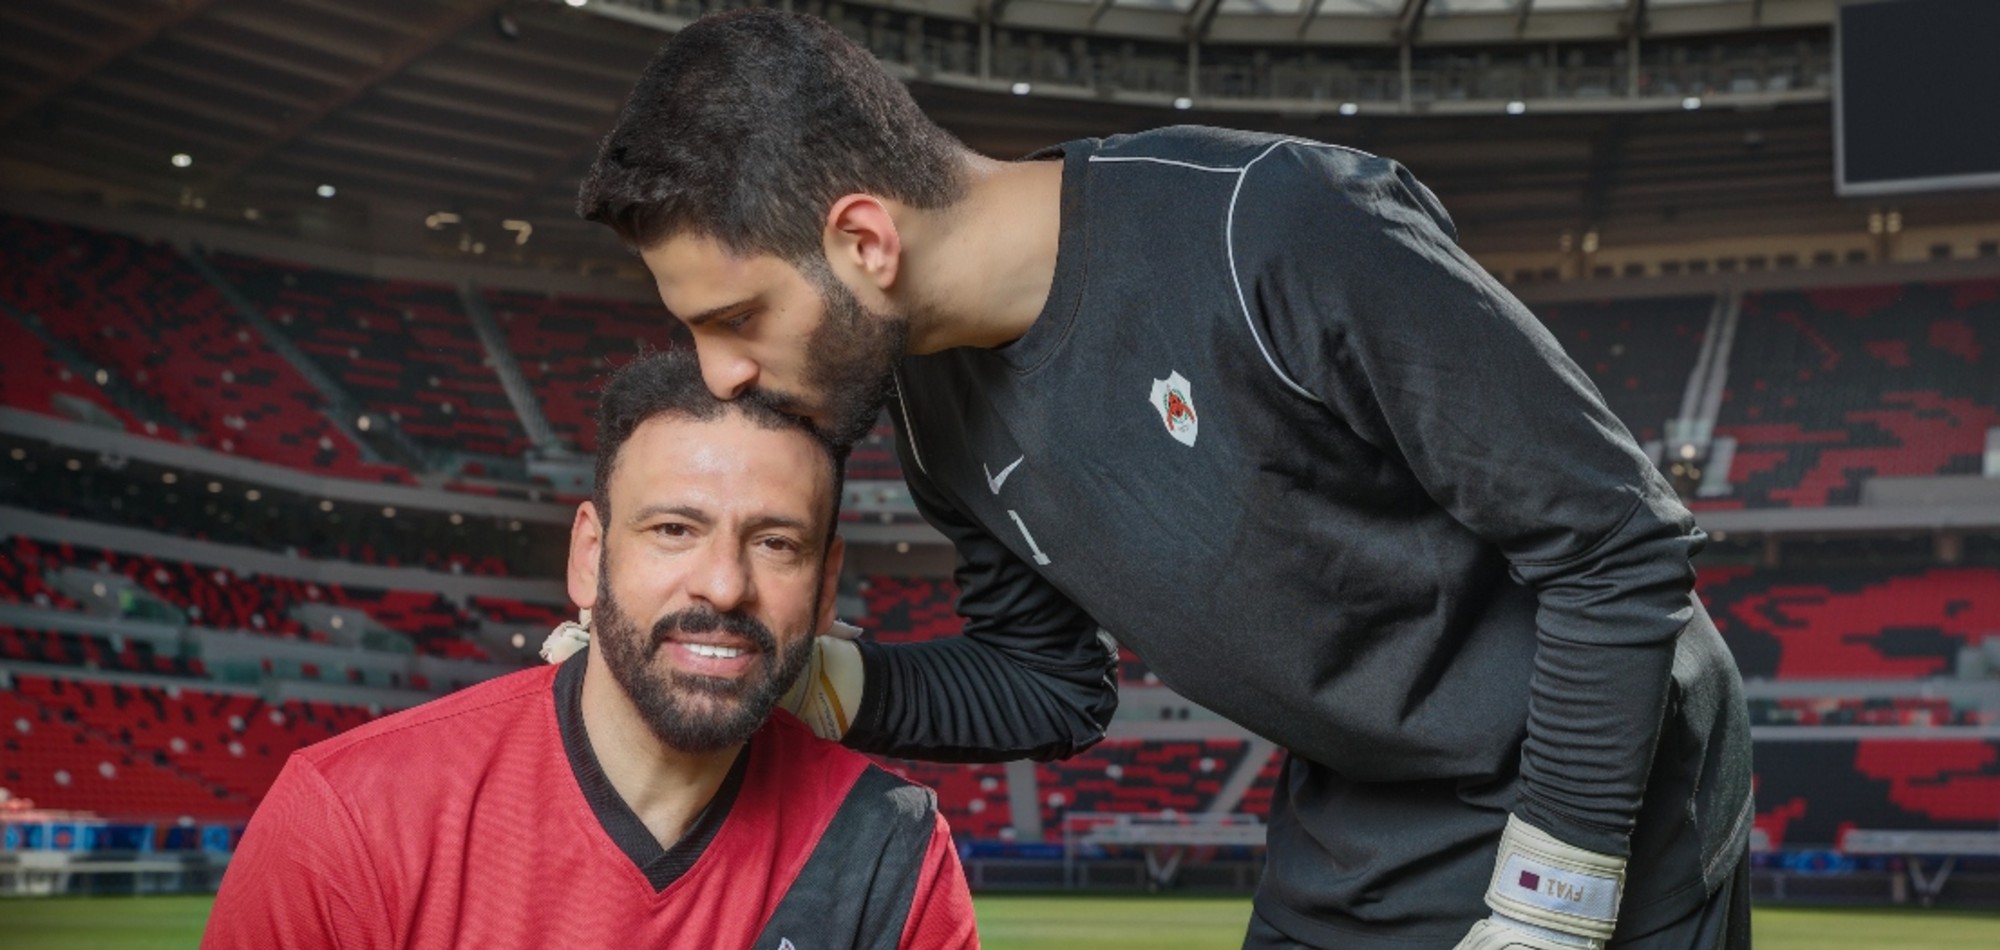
[(641, 793)]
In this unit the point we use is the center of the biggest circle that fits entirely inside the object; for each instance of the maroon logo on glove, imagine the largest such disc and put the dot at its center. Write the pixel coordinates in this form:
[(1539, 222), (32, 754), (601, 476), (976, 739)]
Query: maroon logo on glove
[(1531, 880)]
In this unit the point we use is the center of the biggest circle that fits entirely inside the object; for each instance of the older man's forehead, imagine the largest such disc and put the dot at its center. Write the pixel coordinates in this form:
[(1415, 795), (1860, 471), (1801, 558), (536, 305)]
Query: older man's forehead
[(729, 460)]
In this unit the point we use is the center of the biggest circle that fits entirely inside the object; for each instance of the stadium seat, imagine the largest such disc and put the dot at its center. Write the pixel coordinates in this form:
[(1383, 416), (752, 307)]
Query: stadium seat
[(567, 347), (973, 797), (144, 313), (1830, 388), (1808, 792), (406, 350), (1851, 623)]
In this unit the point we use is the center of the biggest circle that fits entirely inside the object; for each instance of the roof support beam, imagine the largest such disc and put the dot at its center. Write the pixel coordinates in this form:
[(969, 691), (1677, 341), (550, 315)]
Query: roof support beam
[(1200, 17), (1311, 13), (1521, 23), (1635, 17), (1410, 22), (174, 15)]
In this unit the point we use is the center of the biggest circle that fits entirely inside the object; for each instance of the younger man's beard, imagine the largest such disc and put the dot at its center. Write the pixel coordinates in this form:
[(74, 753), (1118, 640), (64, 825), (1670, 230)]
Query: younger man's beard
[(667, 700), (850, 363)]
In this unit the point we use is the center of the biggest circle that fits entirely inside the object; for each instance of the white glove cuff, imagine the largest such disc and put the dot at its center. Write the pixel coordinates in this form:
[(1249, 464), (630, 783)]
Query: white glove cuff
[(1543, 882), (828, 692)]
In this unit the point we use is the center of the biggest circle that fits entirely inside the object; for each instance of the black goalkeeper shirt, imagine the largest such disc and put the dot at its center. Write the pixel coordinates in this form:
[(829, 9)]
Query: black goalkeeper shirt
[(1286, 441)]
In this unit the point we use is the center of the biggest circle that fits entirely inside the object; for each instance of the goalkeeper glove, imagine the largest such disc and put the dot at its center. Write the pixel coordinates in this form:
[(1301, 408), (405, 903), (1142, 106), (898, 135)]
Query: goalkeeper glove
[(1547, 895), (828, 692)]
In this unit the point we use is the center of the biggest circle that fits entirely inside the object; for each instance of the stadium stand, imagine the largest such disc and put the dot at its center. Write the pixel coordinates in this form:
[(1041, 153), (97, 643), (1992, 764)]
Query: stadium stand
[(37, 382), (972, 797), (1125, 775), (500, 610), (152, 751), (1257, 798), (78, 485), (1831, 387), (1867, 711), (909, 609), (1638, 352), (1809, 792), (1860, 622), (142, 312), (59, 762), (567, 346), (406, 350), (218, 598), (92, 652), (874, 457)]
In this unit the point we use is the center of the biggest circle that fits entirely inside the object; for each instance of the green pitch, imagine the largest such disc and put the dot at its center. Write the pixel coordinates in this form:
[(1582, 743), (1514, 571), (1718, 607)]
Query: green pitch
[(1017, 922)]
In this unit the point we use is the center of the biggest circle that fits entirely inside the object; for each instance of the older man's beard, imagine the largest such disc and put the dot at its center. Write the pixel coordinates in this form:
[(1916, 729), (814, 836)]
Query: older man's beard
[(850, 363), (670, 701)]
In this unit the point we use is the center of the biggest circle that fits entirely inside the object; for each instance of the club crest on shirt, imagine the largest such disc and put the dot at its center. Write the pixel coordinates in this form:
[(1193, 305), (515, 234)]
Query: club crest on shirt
[(1173, 398)]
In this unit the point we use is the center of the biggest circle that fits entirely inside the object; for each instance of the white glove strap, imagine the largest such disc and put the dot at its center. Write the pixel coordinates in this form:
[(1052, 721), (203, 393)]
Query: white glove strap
[(567, 638), (1547, 884)]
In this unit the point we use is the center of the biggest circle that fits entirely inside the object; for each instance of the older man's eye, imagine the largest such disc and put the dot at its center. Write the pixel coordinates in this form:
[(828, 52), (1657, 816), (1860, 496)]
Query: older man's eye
[(672, 529)]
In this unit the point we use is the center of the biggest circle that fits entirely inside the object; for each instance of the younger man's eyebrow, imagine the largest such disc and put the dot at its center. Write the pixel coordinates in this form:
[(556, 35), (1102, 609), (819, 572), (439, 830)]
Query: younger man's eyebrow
[(697, 319)]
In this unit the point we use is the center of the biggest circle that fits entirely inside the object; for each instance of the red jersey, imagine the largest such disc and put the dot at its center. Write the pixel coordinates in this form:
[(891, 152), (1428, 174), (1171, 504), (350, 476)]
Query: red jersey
[(483, 820)]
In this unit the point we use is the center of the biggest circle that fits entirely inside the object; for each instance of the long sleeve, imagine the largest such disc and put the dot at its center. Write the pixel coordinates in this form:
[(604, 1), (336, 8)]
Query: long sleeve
[(1348, 267), (1030, 678), (301, 878)]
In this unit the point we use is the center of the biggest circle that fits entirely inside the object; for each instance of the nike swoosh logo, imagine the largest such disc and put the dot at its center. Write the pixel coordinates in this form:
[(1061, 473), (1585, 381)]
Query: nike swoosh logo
[(994, 482)]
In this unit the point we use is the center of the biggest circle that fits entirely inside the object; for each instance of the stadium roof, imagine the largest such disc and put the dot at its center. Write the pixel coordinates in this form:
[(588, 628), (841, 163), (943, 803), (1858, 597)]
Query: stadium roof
[(489, 110)]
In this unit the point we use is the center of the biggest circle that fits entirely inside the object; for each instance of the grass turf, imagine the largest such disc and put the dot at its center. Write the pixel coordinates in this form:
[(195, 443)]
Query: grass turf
[(1019, 921)]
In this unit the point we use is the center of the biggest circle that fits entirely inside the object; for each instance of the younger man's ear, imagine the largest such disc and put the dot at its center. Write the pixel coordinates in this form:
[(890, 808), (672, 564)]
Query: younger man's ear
[(862, 242)]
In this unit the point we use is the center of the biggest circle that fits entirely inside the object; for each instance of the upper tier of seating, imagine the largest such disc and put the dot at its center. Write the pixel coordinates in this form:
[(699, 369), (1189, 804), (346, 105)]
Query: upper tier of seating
[(1638, 352), (568, 346), (1828, 388), (145, 314), (404, 349), (1851, 623)]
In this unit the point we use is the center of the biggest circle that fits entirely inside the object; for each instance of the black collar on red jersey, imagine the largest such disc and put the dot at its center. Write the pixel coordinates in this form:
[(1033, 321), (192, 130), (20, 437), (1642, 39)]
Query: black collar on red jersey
[(662, 866)]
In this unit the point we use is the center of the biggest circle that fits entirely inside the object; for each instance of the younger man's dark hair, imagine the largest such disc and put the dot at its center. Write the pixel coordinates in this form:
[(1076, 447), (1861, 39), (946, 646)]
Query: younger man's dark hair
[(747, 126), (669, 383)]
